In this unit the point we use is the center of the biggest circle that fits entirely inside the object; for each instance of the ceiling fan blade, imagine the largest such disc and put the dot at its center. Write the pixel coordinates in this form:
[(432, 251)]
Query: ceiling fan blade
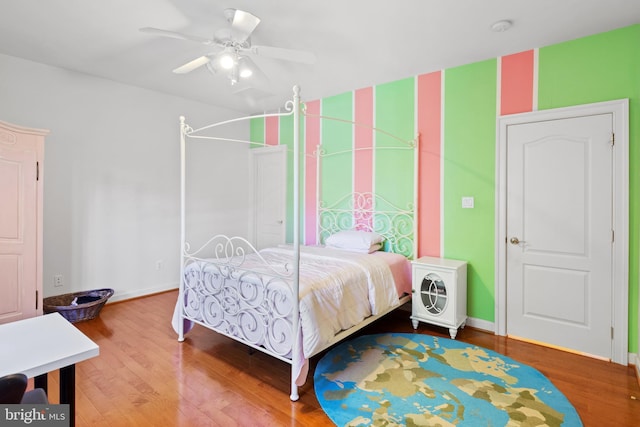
[(285, 54), (192, 65), (256, 77), (175, 35), (242, 25)]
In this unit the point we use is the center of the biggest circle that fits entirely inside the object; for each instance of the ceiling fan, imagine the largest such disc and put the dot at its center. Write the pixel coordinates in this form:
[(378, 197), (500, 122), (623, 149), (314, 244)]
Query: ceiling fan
[(233, 48)]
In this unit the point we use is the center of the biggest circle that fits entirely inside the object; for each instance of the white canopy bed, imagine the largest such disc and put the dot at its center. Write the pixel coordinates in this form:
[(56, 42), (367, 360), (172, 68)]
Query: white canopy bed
[(294, 301)]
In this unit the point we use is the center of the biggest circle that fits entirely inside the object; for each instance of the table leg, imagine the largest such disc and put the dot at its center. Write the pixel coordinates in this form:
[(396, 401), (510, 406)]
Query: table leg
[(41, 381), (68, 390)]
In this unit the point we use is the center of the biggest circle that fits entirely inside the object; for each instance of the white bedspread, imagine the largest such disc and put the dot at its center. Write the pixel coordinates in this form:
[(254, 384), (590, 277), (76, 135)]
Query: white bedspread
[(338, 289)]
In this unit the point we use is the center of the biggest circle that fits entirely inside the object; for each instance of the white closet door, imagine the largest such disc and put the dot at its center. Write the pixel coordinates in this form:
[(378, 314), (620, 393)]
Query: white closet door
[(269, 193), (20, 223), (559, 232)]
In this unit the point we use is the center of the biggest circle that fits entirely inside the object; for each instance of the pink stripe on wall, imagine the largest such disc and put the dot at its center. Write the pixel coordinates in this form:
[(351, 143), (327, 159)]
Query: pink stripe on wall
[(363, 142), (271, 131), (516, 86), (429, 115), (312, 139)]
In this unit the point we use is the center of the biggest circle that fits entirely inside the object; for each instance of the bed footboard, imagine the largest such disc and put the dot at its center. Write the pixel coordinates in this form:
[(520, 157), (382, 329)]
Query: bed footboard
[(255, 309)]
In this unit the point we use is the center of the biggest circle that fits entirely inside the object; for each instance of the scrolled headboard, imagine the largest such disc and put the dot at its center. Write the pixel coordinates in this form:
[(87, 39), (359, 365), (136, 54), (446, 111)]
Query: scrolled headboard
[(370, 212)]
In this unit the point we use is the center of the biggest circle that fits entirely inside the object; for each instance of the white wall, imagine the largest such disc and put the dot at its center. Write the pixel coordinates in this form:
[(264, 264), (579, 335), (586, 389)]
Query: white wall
[(111, 193)]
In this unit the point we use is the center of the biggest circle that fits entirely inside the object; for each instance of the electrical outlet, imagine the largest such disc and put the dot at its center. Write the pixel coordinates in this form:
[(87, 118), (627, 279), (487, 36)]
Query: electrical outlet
[(159, 264), (57, 280)]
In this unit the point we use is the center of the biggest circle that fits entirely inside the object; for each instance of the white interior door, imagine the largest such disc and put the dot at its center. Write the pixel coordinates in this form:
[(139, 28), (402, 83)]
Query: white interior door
[(560, 233), (269, 192)]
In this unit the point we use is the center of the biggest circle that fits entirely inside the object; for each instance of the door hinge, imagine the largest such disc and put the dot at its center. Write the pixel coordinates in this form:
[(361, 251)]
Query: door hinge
[(37, 171), (613, 236), (612, 332), (613, 139), (36, 300)]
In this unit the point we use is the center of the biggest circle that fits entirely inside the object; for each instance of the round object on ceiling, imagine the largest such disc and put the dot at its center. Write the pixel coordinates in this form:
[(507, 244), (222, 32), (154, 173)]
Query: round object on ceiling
[(501, 26)]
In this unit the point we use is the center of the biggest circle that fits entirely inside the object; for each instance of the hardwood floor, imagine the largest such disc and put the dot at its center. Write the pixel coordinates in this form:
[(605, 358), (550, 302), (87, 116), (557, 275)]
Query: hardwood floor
[(145, 377)]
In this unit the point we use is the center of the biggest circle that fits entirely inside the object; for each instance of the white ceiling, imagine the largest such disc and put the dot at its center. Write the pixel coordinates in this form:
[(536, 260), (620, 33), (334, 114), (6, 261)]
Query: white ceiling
[(358, 43)]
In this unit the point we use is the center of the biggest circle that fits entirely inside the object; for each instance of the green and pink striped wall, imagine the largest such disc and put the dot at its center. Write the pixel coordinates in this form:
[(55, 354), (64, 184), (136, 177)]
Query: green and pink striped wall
[(455, 111)]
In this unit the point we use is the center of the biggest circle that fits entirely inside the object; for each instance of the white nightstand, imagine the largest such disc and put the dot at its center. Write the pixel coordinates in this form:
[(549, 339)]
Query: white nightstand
[(439, 293)]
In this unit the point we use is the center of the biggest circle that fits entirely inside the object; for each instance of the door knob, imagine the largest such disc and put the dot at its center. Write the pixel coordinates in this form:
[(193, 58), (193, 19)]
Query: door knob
[(514, 241)]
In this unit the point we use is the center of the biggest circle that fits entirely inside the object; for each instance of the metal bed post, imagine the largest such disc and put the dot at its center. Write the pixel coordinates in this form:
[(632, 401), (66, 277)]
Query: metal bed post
[(416, 194), (318, 166), (296, 236), (183, 227)]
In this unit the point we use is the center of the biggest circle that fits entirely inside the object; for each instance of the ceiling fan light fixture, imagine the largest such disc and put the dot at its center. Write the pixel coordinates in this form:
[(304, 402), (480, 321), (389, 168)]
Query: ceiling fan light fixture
[(227, 60), (234, 76), (232, 56), (244, 68)]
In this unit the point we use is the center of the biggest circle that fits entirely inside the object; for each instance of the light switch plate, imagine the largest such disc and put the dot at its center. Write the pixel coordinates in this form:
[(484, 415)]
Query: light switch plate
[(467, 202)]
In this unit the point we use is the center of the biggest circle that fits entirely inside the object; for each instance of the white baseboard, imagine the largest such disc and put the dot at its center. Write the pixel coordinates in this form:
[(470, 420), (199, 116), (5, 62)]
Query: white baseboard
[(634, 359), (484, 325), (121, 296)]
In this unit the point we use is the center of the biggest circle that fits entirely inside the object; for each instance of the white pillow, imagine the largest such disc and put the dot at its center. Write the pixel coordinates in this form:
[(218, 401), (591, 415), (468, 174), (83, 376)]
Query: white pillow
[(373, 248), (359, 241)]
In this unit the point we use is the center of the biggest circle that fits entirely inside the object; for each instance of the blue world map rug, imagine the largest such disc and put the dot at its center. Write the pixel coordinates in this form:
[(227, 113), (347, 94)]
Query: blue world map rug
[(421, 380)]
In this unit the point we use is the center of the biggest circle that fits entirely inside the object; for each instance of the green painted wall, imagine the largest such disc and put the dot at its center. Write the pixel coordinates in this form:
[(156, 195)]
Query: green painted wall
[(469, 170), (337, 171), (599, 68), (591, 69), (394, 113), (256, 131)]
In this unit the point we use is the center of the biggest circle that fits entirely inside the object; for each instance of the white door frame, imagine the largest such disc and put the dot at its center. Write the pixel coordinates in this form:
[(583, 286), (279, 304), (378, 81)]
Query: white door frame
[(620, 296)]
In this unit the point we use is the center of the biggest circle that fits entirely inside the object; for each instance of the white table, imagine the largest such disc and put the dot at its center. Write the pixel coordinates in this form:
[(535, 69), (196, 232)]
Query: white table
[(42, 344)]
